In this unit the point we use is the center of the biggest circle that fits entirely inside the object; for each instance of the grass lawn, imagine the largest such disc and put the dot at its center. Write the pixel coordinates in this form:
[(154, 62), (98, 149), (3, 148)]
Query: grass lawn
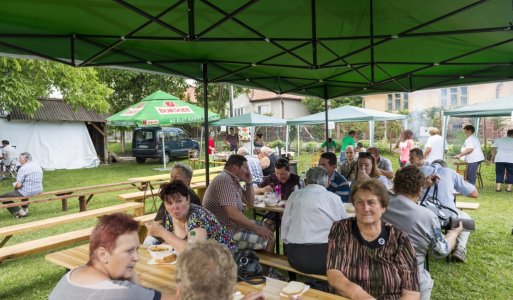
[(486, 275)]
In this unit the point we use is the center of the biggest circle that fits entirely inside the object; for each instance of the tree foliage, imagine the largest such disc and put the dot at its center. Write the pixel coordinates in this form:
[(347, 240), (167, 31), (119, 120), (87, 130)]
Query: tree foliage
[(218, 97), (315, 105), (131, 87), (22, 81)]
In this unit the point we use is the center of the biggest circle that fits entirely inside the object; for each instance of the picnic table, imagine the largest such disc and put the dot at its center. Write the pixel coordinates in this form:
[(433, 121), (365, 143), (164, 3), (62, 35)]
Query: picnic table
[(162, 277)]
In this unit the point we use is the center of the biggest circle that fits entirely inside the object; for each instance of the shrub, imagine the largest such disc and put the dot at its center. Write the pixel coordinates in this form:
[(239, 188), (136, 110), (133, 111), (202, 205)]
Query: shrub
[(276, 143), (312, 146)]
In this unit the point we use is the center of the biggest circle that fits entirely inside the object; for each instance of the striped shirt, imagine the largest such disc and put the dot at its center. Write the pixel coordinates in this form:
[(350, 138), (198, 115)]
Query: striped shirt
[(339, 186), (383, 268), (255, 169), (224, 190), (30, 175)]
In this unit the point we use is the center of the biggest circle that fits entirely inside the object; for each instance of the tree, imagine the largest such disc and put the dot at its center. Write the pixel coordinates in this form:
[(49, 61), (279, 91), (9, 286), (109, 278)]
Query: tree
[(23, 80), (315, 105), (131, 87), (218, 96)]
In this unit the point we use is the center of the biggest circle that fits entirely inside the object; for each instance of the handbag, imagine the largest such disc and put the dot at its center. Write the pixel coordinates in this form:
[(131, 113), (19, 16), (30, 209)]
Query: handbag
[(432, 203), (248, 267)]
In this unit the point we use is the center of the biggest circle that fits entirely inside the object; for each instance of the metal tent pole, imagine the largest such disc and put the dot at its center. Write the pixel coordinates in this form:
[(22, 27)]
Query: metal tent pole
[(205, 121), (326, 114)]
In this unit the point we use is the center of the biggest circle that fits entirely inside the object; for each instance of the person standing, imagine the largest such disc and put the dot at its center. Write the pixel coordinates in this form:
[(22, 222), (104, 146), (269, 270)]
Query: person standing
[(502, 156), (434, 146), (330, 144), (472, 152), (232, 140), (347, 140), (405, 144), (29, 182), (211, 146), (8, 156)]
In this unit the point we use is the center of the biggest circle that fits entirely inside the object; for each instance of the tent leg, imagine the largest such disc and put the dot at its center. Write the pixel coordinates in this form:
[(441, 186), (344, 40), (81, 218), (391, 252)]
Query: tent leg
[(163, 149), (371, 133), (287, 141), (445, 120), (251, 137), (298, 143), (326, 114), (205, 121)]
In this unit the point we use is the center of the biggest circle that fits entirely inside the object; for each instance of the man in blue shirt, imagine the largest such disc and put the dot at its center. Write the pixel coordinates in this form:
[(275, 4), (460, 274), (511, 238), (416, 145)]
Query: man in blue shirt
[(338, 183)]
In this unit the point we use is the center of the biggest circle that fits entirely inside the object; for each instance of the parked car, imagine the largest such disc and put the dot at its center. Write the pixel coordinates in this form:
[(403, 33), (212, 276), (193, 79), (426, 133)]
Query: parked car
[(147, 143)]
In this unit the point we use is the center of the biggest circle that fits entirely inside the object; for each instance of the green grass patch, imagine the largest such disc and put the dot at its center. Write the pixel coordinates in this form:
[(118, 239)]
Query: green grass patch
[(486, 275)]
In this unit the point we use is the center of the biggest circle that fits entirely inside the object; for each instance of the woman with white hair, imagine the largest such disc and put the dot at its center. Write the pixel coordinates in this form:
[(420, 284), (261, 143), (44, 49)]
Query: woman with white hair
[(307, 220), (434, 146)]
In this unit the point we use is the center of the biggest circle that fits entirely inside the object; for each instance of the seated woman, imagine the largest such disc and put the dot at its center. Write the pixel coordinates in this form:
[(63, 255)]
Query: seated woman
[(109, 274), (307, 221), (185, 222), (366, 169), (282, 181), (368, 258), (421, 224), (208, 260)]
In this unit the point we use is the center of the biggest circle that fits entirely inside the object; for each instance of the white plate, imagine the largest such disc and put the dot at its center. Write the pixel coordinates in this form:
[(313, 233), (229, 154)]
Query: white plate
[(307, 287), (152, 261)]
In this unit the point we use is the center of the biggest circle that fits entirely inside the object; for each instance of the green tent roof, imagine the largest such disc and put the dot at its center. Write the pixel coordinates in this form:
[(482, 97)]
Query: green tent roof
[(323, 48), (501, 107), (346, 114), (250, 119), (160, 109)]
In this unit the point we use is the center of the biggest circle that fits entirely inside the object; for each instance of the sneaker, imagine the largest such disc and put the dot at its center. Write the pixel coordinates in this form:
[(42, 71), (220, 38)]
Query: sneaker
[(459, 255), (21, 213)]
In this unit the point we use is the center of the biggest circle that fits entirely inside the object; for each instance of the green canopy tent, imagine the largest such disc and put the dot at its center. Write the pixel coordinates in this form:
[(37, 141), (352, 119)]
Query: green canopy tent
[(250, 120), (324, 48), (160, 109), (500, 107), (345, 114)]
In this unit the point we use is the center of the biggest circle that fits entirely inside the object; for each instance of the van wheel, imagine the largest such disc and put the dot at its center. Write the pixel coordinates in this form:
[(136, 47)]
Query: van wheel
[(140, 160), (166, 158), (195, 153)]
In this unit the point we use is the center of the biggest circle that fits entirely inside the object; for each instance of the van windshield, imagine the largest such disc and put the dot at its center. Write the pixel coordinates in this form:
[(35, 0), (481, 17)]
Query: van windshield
[(144, 136)]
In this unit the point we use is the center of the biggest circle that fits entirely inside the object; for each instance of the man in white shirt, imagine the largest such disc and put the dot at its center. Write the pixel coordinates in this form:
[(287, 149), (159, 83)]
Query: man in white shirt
[(434, 146), (307, 220), (8, 156), (473, 154)]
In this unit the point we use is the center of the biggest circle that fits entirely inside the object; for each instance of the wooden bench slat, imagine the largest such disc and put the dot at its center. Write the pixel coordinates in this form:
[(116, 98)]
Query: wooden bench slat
[(26, 227), (136, 196), (467, 205), (281, 262)]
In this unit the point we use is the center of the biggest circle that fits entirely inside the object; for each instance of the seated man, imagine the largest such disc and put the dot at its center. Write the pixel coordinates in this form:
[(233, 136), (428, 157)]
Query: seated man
[(29, 182), (420, 223), (225, 197), (307, 220), (253, 164), (384, 164), (109, 274), (8, 156), (447, 181), (347, 167), (337, 183), (268, 160), (282, 181)]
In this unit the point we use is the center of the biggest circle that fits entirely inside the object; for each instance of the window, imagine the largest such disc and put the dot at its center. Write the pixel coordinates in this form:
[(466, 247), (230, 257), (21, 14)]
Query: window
[(454, 97), (238, 111), (397, 101), (182, 136), (263, 109)]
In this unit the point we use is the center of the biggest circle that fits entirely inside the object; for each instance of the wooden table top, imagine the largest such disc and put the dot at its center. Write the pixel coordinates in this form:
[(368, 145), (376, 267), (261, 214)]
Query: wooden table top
[(198, 174), (162, 277)]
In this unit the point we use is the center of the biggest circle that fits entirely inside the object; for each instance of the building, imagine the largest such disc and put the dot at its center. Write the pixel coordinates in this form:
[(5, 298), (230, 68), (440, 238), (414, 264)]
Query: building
[(283, 106)]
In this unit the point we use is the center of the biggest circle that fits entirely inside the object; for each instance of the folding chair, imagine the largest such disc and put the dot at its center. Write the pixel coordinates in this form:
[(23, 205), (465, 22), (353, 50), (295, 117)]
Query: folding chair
[(12, 169)]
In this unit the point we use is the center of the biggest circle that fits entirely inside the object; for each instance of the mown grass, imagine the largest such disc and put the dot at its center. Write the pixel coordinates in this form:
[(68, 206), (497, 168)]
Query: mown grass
[(486, 275)]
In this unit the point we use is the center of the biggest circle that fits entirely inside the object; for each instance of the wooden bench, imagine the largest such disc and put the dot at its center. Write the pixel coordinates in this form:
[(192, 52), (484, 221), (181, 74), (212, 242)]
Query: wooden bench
[(281, 262), (60, 240), (84, 195)]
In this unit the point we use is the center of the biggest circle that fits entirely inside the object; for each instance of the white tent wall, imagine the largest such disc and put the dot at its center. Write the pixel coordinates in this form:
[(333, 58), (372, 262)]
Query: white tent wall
[(53, 145)]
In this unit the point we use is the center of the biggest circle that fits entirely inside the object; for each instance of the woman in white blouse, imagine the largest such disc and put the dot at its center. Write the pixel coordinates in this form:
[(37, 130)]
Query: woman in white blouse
[(502, 155)]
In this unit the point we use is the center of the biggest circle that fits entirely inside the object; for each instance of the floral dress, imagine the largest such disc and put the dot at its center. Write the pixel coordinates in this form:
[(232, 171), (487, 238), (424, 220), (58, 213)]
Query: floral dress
[(199, 217)]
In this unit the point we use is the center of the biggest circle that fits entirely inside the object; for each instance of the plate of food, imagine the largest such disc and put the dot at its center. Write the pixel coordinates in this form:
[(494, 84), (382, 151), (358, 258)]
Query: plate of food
[(294, 288), (162, 254)]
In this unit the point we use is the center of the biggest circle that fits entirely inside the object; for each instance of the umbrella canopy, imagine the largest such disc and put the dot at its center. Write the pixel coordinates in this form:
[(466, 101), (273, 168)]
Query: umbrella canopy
[(501, 107), (347, 114), (323, 48), (250, 119), (160, 109)]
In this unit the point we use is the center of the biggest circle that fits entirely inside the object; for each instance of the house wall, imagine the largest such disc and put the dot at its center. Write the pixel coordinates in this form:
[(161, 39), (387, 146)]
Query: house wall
[(290, 109)]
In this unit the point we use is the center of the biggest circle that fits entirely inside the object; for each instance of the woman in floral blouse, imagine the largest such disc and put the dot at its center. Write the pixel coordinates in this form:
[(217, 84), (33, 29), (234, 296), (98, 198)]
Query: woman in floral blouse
[(185, 222)]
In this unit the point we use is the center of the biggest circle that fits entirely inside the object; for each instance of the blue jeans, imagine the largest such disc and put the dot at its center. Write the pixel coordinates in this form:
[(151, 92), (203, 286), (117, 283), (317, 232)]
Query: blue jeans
[(472, 171), (500, 167)]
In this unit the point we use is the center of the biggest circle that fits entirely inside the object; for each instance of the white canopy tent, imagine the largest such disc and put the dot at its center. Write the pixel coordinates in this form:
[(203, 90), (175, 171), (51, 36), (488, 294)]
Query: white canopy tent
[(348, 113)]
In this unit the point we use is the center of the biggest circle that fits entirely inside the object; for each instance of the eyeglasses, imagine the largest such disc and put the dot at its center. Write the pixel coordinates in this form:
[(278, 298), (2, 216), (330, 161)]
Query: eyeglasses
[(366, 154)]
